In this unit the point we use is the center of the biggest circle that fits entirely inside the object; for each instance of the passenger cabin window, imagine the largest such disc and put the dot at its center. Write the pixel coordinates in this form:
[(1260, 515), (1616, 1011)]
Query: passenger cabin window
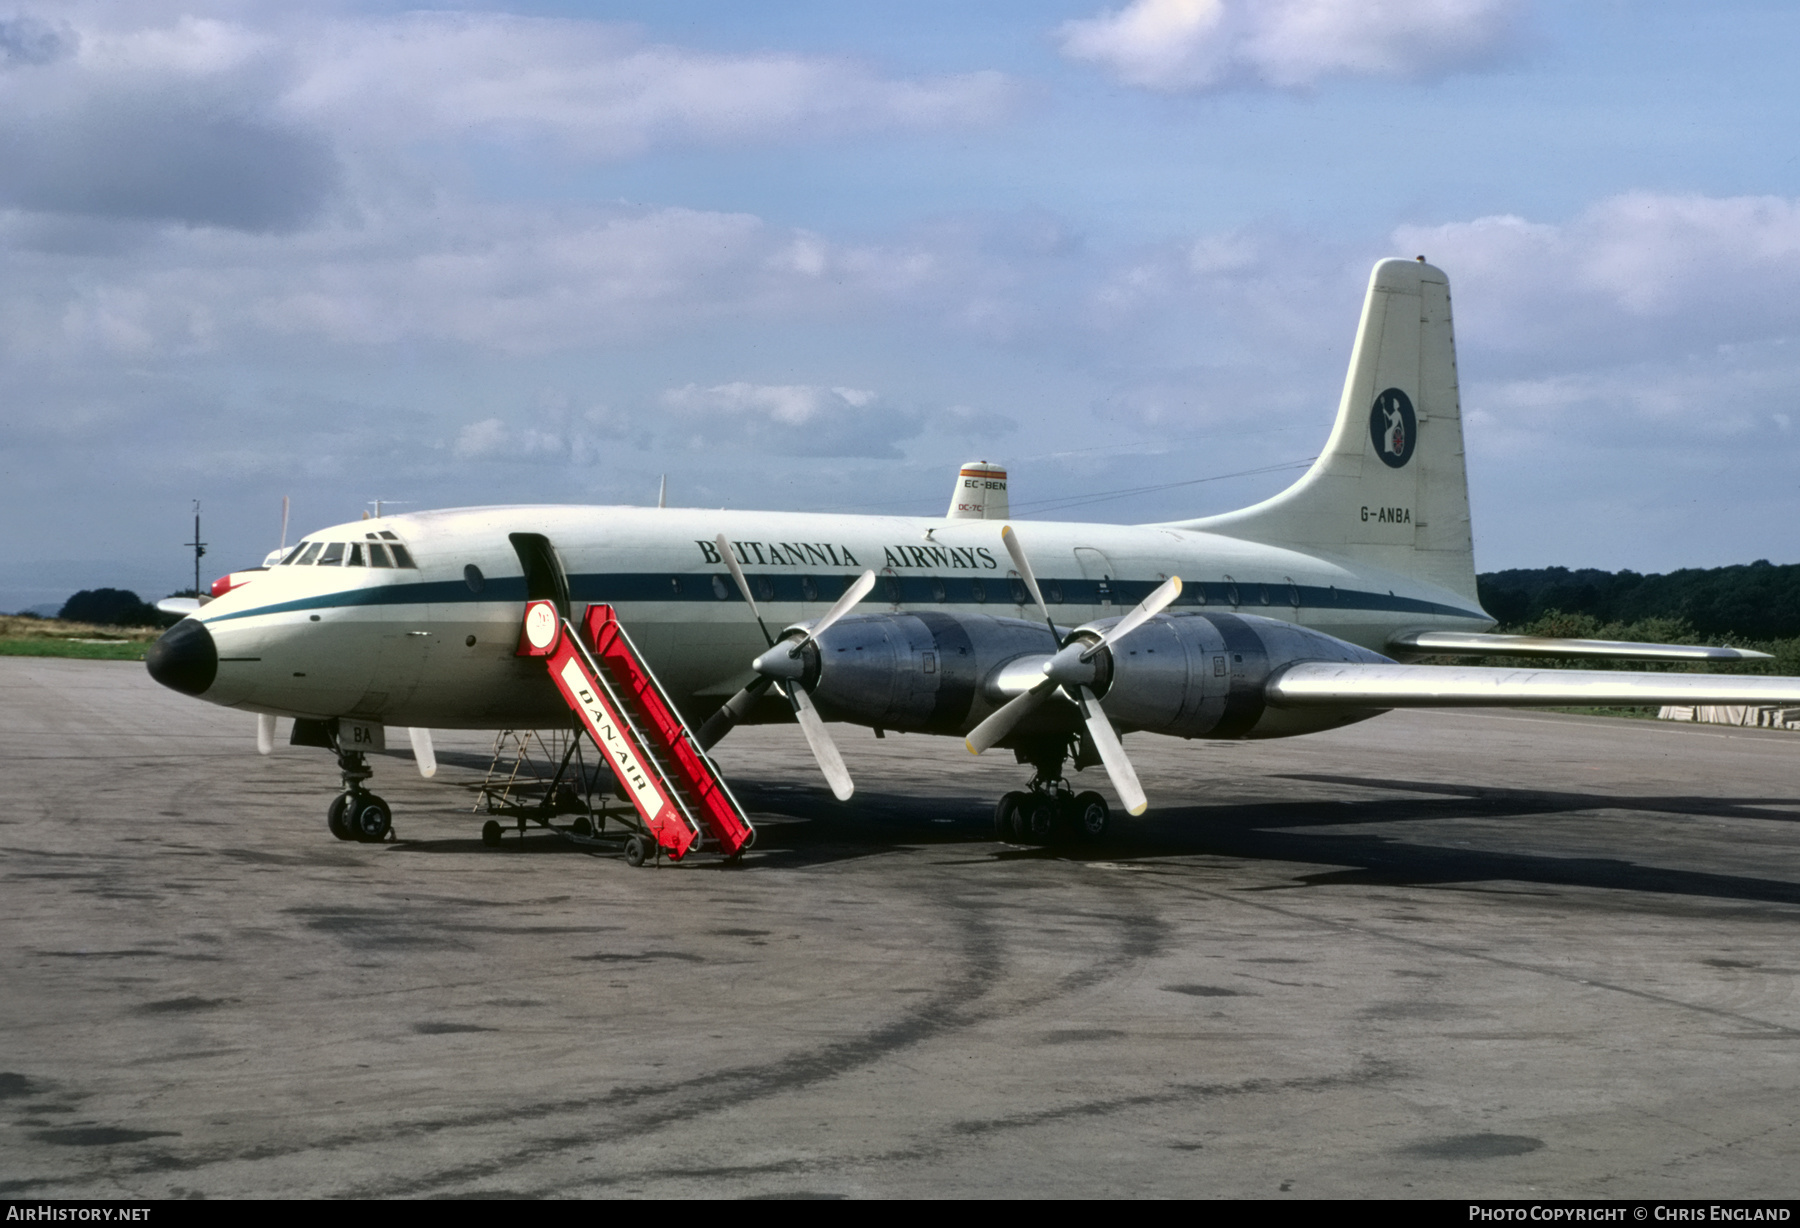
[(978, 590), (809, 588), (333, 556), (938, 592), (1052, 591), (356, 557), (378, 555), (312, 552)]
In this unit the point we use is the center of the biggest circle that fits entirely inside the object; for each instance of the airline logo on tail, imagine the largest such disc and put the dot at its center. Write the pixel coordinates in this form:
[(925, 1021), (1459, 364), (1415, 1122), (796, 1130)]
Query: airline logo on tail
[(1393, 427)]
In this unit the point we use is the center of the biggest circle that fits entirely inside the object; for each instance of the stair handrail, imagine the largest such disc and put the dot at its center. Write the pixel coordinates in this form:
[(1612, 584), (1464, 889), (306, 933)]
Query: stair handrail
[(643, 663), (644, 744)]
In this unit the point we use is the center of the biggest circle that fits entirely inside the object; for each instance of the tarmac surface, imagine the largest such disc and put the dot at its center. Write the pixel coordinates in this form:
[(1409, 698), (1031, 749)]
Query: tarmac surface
[(1462, 955)]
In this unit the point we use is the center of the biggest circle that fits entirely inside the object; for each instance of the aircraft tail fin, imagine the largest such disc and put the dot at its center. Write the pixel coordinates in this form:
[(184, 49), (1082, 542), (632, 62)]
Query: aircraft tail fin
[(1390, 487)]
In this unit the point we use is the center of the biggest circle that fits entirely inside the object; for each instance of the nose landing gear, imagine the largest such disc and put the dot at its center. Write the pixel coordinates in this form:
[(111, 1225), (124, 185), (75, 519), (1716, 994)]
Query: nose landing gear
[(357, 814), (1049, 809)]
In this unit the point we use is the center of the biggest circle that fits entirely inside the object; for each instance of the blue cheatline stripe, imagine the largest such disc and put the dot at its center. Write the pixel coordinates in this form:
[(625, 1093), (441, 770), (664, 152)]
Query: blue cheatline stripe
[(923, 591)]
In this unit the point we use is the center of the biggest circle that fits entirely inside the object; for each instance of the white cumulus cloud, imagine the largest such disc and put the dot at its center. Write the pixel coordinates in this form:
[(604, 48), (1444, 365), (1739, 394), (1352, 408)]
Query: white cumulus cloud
[(1640, 274), (789, 419), (223, 122), (1194, 45), (598, 89)]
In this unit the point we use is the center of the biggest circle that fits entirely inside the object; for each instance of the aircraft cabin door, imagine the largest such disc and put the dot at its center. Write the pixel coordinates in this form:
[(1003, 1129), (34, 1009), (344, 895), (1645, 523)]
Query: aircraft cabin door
[(545, 579), (1095, 566)]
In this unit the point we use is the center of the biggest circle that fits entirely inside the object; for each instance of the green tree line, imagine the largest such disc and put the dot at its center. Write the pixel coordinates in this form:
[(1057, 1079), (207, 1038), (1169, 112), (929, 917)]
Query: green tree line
[(1754, 601)]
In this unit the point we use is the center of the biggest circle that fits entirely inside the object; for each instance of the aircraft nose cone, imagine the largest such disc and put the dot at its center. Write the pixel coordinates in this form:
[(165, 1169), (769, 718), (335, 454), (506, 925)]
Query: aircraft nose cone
[(184, 659)]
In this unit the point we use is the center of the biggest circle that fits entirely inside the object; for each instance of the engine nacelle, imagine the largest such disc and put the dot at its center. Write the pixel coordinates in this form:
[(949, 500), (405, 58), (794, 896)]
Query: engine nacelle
[(1189, 674), (920, 671), (1202, 675)]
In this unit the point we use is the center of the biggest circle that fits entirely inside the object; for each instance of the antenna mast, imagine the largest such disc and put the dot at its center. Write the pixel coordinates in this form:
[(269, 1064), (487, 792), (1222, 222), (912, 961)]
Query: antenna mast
[(199, 547)]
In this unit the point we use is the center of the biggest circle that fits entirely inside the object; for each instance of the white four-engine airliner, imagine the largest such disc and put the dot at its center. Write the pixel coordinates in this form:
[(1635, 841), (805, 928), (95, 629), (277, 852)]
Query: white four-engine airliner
[(1046, 638)]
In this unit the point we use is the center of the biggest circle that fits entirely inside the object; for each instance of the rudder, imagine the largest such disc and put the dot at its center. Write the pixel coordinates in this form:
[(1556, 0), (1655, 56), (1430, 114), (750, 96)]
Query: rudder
[(1391, 487)]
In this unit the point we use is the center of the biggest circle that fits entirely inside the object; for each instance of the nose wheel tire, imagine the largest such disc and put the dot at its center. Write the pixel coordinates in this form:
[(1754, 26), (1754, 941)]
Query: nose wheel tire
[(337, 818), (372, 820)]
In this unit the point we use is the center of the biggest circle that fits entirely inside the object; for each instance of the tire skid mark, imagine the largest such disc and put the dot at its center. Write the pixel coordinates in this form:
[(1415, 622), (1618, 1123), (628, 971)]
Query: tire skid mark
[(1141, 938), (1500, 961), (955, 1136), (981, 971), (665, 1104)]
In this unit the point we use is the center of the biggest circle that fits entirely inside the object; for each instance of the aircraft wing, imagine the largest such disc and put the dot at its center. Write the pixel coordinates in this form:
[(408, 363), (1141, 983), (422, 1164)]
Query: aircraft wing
[(1331, 684), (1467, 643)]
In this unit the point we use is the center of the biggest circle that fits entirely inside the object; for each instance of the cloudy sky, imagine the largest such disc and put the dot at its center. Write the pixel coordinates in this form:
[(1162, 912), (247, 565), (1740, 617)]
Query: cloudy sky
[(811, 256)]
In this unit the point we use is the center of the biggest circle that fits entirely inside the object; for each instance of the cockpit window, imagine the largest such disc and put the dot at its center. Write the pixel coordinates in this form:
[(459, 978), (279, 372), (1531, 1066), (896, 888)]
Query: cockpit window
[(356, 558), (389, 534), (378, 555), (293, 554), (312, 552), (333, 556), (401, 557)]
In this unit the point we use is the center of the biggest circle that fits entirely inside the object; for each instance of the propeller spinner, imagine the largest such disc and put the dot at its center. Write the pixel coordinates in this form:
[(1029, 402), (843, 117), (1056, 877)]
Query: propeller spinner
[(1073, 670), (783, 665)]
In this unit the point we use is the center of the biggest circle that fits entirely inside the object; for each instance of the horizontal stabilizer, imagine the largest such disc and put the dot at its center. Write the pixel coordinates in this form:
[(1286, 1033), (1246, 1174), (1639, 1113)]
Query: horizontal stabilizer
[(1471, 643), (1331, 684)]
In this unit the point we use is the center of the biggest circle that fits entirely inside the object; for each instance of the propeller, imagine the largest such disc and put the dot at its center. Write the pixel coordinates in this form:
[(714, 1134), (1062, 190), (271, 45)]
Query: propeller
[(424, 753), (1073, 670), (784, 665)]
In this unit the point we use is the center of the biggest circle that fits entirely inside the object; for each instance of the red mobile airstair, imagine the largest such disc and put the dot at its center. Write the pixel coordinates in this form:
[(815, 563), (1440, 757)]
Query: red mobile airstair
[(679, 795)]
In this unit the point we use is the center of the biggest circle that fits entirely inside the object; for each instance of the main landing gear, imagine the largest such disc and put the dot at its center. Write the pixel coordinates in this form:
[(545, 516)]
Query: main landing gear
[(357, 814), (1049, 810)]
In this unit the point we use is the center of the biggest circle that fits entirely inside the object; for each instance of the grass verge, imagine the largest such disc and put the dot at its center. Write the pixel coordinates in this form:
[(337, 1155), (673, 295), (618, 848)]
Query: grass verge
[(117, 650), (52, 637)]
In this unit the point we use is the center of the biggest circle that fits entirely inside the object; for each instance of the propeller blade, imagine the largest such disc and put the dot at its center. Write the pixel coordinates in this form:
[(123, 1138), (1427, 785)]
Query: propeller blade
[(1009, 714), (852, 595), (743, 587), (424, 753), (1147, 609), (823, 748), (1112, 754), (1010, 540), (730, 713), (265, 734)]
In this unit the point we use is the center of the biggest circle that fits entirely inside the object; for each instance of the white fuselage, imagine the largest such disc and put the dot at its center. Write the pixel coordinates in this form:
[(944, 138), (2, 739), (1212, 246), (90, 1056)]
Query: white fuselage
[(423, 646)]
